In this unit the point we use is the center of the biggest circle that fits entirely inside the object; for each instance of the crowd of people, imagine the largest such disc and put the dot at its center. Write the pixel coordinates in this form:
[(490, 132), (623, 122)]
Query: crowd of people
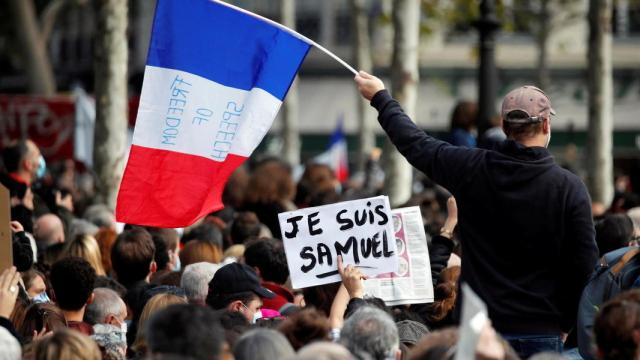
[(85, 287)]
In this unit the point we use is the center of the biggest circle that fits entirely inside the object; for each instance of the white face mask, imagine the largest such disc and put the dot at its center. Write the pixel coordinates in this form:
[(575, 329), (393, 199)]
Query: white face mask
[(41, 298), (178, 264), (256, 316)]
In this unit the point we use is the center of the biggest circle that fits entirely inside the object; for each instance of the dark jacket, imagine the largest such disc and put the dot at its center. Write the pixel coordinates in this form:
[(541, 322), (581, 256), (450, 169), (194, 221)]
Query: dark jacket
[(525, 223)]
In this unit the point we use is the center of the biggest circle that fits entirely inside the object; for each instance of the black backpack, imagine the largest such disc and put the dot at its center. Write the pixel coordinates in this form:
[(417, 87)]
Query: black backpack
[(615, 273)]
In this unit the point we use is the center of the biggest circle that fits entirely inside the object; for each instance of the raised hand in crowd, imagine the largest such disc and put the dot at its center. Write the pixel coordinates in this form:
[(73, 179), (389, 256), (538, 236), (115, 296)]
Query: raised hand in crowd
[(351, 279), (368, 85), (8, 291), (65, 201), (16, 227)]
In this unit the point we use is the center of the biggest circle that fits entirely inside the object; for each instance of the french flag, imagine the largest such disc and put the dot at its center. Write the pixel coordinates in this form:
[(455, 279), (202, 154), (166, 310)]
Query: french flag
[(336, 155), (214, 81)]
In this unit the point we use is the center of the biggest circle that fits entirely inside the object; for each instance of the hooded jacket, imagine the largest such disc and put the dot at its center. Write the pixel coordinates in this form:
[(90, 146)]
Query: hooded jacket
[(525, 224)]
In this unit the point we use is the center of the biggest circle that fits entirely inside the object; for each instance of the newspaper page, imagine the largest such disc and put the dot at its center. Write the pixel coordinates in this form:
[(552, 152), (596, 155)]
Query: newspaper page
[(412, 283)]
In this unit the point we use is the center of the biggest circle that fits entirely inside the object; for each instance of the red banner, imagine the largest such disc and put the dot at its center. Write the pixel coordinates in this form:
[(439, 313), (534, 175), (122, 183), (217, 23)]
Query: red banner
[(48, 121)]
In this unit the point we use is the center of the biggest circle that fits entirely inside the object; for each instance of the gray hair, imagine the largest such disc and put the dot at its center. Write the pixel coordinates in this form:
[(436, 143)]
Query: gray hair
[(195, 280), (100, 216), (324, 350), (105, 302), (370, 333), (263, 344), (82, 227)]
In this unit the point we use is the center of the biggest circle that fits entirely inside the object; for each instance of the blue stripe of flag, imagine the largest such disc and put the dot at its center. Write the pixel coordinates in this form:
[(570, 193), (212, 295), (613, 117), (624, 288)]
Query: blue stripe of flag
[(224, 45)]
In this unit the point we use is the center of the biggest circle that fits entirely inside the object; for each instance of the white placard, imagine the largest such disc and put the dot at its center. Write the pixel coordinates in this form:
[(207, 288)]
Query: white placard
[(360, 230)]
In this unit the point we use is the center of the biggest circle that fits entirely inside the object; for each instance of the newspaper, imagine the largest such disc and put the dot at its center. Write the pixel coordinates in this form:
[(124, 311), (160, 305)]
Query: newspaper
[(412, 283)]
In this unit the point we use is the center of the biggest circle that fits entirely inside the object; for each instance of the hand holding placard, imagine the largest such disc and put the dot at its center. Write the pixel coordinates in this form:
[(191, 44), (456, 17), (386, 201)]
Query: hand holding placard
[(352, 279)]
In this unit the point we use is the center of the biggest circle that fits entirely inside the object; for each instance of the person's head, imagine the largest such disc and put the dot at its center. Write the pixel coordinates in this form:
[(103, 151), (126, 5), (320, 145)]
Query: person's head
[(617, 327), (526, 116), (161, 255), (34, 283), (86, 247), (321, 296), (107, 308), (324, 350), (614, 231), (371, 332), (267, 258), (48, 230), (171, 240), (270, 182), (132, 256), (41, 316), (464, 115), (22, 158), (445, 294), (82, 227), (236, 287), (195, 281), (262, 344), (304, 327), (196, 251), (185, 330), (101, 216), (105, 238), (72, 280), (245, 226), (154, 305), (66, 344)]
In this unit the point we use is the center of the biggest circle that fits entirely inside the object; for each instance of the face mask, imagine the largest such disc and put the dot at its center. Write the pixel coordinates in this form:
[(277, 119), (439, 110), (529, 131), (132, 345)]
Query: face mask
[(178, 266), (124, 327), (42, 168), (41, 298), (257, 315)]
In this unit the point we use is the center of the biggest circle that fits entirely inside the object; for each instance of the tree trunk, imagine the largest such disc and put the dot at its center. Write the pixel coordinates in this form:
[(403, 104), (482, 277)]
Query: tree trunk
[(404, 86), (362, 52), (290, 130), (111, 97), (544, 21), (600, 90), (33, 50)]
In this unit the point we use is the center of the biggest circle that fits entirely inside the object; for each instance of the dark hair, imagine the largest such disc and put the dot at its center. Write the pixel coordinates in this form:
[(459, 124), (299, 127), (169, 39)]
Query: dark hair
[(269, 257), (38, 316), (131, 256), (234, 325), (245, 226), (170, 237), (206, 232), (161, 255), (187, 330), (615, 324), (110, 283), (221, 301), (614, 231), (13, 155), (464, 115), (304, 327), (321, 296), (520, 130), (72, 279)]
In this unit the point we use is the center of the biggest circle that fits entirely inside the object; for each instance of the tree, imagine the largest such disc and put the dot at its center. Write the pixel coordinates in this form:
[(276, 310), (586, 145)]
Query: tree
[(290, 131), (362, 54), (404, 85), (111, 58), (600, 90), (32, 47)]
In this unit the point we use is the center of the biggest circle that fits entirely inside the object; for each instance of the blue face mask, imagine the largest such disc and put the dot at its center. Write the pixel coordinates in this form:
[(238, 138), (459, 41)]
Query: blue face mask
[(42, 168), (41, 298)]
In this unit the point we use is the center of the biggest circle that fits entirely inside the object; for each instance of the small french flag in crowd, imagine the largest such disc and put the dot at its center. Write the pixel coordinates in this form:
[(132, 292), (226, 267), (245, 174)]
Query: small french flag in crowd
[(214, 81), (336, 155)]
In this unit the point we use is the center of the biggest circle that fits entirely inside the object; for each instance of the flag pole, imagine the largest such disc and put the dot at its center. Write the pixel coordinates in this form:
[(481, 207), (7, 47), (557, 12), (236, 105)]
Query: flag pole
[(292, 32)]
